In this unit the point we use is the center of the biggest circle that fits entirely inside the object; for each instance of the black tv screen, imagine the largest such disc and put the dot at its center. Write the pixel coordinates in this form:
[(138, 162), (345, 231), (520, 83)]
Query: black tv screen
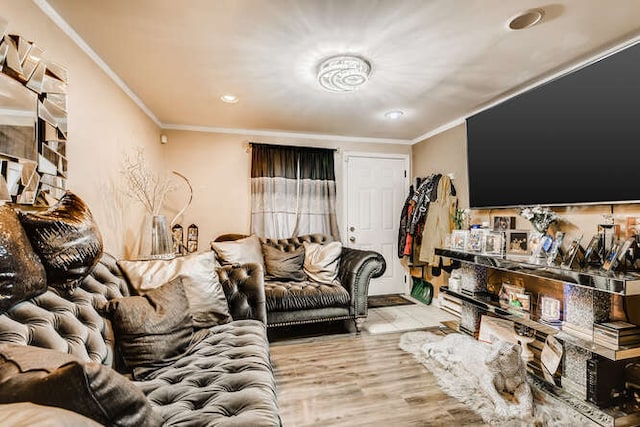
[(573, 140)]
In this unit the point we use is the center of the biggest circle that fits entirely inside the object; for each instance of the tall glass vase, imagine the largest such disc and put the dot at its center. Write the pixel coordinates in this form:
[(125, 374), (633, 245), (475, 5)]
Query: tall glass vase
[(157, 241)]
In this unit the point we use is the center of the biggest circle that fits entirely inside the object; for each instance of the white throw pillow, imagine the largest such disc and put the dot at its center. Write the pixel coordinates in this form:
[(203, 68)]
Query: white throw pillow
[(207, 302), (241, 251), (321, 262)]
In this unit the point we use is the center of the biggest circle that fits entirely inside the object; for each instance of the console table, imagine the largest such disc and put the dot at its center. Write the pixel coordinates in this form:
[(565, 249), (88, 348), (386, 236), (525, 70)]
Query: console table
[(599, 284)]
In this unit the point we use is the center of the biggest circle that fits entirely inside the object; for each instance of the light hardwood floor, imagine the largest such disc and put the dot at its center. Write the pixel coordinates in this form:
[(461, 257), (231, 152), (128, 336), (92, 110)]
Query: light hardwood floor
[(346, 379)]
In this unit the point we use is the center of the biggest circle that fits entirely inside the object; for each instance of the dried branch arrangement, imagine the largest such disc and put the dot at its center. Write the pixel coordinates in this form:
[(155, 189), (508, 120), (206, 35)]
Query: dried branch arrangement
[(145, 186)]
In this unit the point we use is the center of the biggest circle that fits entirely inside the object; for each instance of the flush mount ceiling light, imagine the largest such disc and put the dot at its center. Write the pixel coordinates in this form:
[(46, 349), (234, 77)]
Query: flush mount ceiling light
[(343, 73), (393, 114), (526, 19), (229, 99)]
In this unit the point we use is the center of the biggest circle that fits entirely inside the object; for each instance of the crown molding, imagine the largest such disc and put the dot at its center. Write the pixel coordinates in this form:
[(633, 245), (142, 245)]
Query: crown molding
[(438, 130), (84, 46), (286, 134)]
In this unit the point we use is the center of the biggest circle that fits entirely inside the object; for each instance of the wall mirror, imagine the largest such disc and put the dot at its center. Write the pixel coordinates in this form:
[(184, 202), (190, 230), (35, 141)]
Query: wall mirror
[(33, 123)]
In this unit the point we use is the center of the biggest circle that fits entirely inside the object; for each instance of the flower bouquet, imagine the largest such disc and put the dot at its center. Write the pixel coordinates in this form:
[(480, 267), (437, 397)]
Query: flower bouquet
[(541, 218)]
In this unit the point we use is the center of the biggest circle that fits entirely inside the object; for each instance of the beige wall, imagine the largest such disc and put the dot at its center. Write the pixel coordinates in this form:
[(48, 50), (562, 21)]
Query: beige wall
[(218, 166), (445, 153), (103, 124)]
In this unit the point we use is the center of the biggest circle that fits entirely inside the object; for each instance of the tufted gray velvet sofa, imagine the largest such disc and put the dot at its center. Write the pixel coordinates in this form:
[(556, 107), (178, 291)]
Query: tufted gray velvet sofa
[(225, 380), (292, 302)]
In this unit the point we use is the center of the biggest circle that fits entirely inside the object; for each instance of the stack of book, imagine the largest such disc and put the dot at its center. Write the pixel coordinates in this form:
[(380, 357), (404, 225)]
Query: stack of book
[(617, 334)]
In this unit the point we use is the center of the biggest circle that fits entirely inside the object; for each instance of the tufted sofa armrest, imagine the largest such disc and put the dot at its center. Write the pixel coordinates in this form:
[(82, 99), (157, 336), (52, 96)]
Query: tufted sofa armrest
[(244, 288), (357, 268)]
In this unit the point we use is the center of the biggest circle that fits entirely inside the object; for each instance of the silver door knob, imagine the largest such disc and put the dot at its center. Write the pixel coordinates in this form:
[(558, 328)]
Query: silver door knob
[(352, 228), (352, 239)]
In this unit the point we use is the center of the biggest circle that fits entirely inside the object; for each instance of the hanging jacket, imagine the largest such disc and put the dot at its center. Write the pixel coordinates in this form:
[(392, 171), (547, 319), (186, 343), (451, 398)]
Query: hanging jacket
[(404, 220), (423, 196)]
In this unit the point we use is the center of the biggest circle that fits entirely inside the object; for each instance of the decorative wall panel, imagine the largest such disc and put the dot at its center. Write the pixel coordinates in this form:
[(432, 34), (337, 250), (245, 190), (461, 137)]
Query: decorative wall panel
[(33, 123)]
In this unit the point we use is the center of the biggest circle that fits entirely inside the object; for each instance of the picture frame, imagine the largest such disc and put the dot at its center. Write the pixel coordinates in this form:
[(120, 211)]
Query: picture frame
[(504, 223), (546, 242), (512, 296), (493, 243), (593, 250), (474, 240), (459, 240), (572, 253), (535, 245), (521, 301), (555, 253), (517, 242), (624, 247), (611, 259), (550, 309)]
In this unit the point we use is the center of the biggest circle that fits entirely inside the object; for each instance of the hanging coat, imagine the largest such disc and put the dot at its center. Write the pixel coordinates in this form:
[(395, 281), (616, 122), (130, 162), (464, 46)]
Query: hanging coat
[(439, 222)]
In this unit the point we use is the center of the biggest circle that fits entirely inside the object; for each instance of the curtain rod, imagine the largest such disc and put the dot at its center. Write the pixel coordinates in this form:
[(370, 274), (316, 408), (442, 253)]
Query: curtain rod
[(293, 146)]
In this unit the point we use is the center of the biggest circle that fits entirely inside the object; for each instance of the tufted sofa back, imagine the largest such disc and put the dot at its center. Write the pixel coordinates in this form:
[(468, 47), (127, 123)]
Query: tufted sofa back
[(69, 323), (293, 243)]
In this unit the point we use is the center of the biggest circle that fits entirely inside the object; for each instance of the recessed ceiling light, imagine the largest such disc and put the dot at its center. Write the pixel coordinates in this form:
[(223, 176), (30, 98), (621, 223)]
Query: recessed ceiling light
[(343, 73), (393, 114), (229, 99), (526, 19)]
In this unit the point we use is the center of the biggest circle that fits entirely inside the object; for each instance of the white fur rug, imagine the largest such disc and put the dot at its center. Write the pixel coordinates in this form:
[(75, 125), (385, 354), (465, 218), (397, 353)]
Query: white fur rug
[(453, 364)]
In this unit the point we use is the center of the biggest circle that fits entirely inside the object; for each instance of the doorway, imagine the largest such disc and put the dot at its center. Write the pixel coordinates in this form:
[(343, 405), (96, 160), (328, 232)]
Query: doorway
[(375, 187)]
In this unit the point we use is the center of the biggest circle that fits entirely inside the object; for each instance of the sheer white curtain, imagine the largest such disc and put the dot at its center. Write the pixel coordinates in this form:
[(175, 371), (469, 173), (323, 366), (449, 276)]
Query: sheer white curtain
[(293, 191)]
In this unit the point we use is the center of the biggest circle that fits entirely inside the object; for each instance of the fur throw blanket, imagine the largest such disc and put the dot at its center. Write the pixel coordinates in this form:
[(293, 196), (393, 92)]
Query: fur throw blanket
[(491, 380)]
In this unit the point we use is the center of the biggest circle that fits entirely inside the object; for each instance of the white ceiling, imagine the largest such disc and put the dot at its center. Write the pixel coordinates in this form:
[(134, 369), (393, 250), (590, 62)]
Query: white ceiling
[(436, 60)]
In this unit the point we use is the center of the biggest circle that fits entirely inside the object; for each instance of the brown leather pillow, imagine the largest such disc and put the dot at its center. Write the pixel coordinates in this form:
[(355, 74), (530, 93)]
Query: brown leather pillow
[(22, 275), (66, 238), (281, 265), (153, 329), (52, 378)]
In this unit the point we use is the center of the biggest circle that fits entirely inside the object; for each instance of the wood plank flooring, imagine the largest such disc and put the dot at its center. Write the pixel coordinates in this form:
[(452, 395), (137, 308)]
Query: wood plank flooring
[(359, 380)]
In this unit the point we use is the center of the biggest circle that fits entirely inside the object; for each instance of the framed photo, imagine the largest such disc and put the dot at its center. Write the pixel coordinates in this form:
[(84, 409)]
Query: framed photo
[(518, 242), (611, 260), (504, 223), (474, 240), (593, 249), (493, 243), (572, 252), (512, 296), (459, 240), (554, 253), (535, 244), (545, 243), (625, 247), (550, 310)]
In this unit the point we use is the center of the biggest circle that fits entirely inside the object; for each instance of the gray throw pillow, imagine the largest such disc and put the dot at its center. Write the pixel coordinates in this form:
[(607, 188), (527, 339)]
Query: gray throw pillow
[(153, 329), (207, 301), (67, 239), (22, 275), (241, 251), (281, 265), (51, 378)]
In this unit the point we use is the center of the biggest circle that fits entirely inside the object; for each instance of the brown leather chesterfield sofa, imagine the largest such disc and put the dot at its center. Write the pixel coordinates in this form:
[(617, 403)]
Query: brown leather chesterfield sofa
[(225, 379), (291, 302)]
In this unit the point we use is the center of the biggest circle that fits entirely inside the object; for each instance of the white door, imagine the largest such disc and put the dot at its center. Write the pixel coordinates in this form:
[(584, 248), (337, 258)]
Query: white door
[(376, 187)]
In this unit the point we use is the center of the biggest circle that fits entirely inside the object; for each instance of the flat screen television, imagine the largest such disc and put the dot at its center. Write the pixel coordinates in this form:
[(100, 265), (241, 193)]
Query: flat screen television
[(573, 140)]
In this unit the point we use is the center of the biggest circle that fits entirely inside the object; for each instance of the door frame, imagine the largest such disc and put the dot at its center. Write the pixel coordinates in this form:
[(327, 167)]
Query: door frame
[(345, 191)]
